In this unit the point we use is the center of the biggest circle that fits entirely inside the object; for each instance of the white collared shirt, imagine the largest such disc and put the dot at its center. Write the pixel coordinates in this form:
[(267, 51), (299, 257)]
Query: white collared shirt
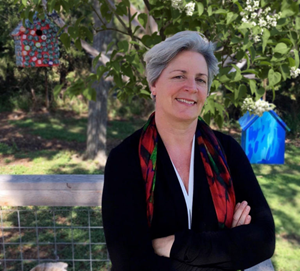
[(188, 196)]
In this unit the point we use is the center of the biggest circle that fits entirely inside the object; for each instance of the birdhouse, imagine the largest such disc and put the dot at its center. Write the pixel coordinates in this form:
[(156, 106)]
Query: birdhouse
[(263, 138), (36, 43)]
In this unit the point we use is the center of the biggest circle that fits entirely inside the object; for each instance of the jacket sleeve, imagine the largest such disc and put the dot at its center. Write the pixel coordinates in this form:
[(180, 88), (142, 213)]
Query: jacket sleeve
[(242, 246)]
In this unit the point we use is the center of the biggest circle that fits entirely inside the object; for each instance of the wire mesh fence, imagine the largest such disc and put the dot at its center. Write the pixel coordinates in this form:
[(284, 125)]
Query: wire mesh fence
[(31, 235)]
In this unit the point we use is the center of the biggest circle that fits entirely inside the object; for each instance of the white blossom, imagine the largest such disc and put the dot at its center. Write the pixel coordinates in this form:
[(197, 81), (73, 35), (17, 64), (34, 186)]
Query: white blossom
[(256, 38), (253, 15), (294, 72), (175, 3), (189, 8), (258, 107), (244, 20)]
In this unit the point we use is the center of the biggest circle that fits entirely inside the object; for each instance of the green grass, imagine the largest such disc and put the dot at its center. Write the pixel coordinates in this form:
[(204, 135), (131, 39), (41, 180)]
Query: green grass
[(60, 161), (281, 186)]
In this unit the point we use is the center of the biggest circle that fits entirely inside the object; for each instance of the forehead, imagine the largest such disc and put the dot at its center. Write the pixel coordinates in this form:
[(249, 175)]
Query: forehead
[(188, 61)]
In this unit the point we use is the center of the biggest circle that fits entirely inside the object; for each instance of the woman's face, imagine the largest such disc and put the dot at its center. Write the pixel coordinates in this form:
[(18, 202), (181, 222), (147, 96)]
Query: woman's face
[(181, 89)]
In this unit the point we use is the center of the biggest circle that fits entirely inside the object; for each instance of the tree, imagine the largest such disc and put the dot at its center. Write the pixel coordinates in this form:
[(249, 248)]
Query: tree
[(97, 120), (257, 44)]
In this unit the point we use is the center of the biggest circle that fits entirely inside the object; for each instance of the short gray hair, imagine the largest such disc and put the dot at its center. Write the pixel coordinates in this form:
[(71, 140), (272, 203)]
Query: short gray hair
[(159, 56)]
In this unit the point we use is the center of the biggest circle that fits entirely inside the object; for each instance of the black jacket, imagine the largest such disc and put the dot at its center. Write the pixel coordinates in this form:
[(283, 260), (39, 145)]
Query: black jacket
[(204, 247)]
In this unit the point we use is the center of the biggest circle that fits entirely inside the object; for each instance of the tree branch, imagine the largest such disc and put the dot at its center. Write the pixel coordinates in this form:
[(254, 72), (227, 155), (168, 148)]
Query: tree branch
[(113, 9), (99, 17), (147, 4)]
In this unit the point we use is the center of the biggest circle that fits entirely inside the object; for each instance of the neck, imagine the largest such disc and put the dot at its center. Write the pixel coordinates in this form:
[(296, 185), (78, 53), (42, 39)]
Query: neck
[(175, 133)]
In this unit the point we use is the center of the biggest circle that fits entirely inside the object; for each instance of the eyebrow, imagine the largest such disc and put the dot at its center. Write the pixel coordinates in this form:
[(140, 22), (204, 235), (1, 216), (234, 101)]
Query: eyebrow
[(183, 71)]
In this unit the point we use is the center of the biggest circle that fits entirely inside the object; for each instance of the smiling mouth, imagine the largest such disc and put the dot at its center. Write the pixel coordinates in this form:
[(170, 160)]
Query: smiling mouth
[(185, 101)]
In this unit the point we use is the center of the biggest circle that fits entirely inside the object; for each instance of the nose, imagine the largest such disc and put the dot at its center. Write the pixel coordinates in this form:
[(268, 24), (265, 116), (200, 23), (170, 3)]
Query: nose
[(191, 85)]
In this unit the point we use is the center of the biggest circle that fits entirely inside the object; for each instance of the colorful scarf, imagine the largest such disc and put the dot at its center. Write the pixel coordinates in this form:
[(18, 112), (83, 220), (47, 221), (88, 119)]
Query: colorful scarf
[(215, 165)]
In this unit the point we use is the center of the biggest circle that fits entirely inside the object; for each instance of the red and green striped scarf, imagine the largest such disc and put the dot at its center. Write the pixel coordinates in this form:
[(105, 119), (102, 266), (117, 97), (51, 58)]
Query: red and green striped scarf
[(215, 165)]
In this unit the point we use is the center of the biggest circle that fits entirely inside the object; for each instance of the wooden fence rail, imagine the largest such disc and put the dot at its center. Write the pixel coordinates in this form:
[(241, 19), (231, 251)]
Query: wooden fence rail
[(51, 190), (63, 190)]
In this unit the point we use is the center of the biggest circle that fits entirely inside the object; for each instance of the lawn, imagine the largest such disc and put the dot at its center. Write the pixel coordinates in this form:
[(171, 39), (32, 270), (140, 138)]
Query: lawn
[(280, 183)]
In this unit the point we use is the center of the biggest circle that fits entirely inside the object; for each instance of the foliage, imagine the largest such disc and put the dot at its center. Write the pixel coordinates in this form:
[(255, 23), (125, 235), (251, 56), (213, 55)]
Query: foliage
[(268, 47)]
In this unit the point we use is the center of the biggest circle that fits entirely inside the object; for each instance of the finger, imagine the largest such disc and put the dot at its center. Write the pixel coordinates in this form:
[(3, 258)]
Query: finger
[(244, 215), (248, 220), (237, 206), (238, 212)]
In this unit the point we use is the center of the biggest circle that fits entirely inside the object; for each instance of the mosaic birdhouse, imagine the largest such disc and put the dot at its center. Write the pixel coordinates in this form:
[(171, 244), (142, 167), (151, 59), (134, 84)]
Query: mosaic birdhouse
[(36, 44)]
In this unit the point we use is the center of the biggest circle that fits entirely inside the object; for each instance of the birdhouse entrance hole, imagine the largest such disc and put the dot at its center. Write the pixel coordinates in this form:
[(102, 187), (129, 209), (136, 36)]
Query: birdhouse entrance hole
[(39, 32)]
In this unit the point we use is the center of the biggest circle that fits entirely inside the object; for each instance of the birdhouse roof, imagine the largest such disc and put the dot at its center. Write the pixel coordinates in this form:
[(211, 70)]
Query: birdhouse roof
[(16, 31), (247, 120)]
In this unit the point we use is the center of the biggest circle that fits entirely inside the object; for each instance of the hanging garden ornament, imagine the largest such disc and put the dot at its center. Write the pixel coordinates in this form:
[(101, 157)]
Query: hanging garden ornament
[(33, 43)]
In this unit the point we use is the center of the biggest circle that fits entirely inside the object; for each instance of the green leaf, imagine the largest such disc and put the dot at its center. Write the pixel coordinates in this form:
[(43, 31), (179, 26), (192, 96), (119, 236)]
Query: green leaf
[(274, 77), (252, 84), (260, 92), (200, 8), (265, 36), (237, 74), (123, 46), (250, 71), (231, 17), (121, 9), (219, 119), (78, 44), (240, 92), (285, 71), (65, 39), (209, 10), (286, 41), (281, 48), (298, 23), (248, 61), (90, 94), (73, 32), (143, 18), (292, 62), (293, 37), (252, 53), (78, 21), (236, 40), (287, 13), (105, 11), (245, 25), (57, 90), (24, 2), (220, 11), (96, 60), (240, 54)]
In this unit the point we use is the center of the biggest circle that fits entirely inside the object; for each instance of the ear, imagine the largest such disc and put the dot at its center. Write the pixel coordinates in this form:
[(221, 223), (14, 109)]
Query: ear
[(153, 89)]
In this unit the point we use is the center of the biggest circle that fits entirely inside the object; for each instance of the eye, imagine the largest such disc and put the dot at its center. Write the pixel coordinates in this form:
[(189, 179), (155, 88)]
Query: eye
[(200, 80), (178, 77)]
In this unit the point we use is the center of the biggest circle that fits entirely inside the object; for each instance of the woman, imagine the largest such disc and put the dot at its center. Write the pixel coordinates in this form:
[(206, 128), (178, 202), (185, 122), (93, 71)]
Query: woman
[(177, 195)]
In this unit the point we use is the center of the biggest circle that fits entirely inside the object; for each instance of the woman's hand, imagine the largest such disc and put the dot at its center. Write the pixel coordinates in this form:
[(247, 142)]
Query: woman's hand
[(241, 214), (162, 246)]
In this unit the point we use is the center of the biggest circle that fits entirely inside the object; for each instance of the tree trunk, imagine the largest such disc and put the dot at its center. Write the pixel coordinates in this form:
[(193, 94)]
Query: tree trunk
[(97, 118)]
